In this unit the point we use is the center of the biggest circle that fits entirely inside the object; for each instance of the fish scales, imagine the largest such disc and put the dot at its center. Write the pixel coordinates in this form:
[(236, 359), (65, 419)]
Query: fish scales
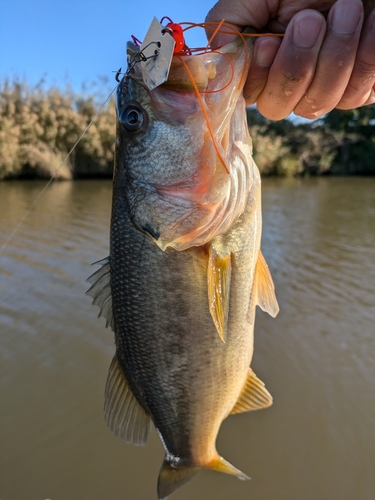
[(185, 271), (168, 344)]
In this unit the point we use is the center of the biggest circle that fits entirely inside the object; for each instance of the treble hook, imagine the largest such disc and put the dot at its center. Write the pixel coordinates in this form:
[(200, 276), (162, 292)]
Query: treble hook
[(117, 75), (138, 57)]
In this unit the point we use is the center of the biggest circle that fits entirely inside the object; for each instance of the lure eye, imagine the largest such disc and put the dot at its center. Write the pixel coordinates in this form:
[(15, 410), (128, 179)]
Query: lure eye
[(132, 118)]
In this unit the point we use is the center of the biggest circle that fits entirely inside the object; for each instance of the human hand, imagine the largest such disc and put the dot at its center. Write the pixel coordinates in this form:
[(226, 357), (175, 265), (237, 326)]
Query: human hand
[(325, 60)]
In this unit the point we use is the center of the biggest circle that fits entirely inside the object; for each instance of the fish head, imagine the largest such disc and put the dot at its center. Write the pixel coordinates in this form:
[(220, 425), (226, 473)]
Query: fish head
[(183, 155)]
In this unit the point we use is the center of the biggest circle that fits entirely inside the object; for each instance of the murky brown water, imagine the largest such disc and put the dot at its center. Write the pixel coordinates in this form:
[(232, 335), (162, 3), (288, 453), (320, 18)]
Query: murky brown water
[(317, 442)]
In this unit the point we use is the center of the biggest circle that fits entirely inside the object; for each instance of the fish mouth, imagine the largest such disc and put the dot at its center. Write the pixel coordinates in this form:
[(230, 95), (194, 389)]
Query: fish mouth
[(188, 204)]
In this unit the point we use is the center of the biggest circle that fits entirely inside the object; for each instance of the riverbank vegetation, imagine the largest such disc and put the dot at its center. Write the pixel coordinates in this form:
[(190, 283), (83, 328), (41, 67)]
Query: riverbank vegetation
[(39, 126)]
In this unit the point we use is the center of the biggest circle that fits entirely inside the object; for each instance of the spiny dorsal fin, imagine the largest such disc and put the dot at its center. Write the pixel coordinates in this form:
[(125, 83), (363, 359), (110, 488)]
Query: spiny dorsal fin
[(264, 287), (125, 417), (254, 395), (218, 280), (100, 291)]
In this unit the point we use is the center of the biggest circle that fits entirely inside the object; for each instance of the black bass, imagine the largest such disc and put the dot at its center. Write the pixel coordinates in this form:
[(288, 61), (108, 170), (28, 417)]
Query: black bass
[(185, 271)]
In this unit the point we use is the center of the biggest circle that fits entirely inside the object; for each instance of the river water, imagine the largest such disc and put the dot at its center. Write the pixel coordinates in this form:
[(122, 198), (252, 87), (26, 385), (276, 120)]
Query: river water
[(317, 441)]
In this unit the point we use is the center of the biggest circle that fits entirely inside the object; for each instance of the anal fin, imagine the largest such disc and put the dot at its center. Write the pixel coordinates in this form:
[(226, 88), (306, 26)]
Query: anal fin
[(264, 287), (254, 395), (218, 280), (124, 415)]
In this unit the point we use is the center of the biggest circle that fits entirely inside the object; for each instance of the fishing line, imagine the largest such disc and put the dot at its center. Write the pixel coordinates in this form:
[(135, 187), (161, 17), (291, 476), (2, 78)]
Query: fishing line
[(198, 94), (53, 176), (196, 90), (214, 34), (212, 26)]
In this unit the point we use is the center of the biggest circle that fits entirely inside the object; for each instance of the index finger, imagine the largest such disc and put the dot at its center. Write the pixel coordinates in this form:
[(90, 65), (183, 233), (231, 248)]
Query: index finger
[(237, 15)]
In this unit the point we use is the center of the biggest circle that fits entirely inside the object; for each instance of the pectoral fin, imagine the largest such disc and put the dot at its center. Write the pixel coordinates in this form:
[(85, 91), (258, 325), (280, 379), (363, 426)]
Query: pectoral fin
[(218, 280), (254, 395), (101, 292), (123, 414), (264, 287)]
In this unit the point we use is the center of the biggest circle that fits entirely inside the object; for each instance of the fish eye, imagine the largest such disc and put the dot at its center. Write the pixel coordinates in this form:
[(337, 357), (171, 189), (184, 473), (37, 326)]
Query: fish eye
[(132, 117)]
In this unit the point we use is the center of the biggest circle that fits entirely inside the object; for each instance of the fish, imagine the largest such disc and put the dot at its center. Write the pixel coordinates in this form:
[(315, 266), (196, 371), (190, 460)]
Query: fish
[(185, 271)]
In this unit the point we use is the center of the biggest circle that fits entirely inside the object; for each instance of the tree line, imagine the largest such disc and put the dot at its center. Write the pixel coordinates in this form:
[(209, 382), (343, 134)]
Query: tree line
[(39, 126)]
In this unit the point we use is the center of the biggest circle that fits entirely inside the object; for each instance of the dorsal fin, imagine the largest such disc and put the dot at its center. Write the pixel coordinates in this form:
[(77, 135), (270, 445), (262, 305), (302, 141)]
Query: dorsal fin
[(218, 281), (100, 291), (254, 395), (124, 415), (264, 287)]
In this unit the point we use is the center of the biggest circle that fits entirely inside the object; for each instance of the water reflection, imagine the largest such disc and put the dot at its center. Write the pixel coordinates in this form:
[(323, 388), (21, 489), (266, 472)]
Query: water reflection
[(317, 357)]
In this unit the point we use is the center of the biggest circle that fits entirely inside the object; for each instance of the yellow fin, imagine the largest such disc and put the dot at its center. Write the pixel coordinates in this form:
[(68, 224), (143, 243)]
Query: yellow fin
[(265, 289), (172, 477), (254, 395), (218, 280), (123, 414), (221, 465)]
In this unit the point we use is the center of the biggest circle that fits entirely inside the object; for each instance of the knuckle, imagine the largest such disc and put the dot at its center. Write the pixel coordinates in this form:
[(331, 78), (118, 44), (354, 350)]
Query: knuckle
[(308, 114), (314, 106), (359, 87), (365, 71), (293, 79), (290, 78), (353, 100)]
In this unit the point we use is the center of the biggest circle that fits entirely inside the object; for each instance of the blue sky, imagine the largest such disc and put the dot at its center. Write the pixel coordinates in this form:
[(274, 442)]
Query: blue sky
[(76, 42)]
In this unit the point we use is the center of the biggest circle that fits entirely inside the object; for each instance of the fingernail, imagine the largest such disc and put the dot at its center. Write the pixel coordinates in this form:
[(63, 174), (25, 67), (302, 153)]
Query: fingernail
[(306, 29), (345, 16), (265, 52)]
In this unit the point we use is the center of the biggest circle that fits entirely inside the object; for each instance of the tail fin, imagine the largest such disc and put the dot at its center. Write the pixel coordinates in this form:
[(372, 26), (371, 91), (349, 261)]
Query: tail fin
[(221, 465), (171, 478)]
